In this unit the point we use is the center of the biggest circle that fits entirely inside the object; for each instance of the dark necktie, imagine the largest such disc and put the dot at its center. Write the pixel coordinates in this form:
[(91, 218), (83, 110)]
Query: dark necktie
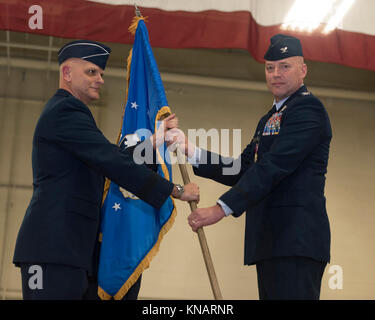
[(273, 110)]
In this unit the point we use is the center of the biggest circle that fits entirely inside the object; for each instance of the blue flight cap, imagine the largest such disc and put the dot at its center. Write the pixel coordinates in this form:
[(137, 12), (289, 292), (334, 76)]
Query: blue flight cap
[(92, 51), (283, 46)]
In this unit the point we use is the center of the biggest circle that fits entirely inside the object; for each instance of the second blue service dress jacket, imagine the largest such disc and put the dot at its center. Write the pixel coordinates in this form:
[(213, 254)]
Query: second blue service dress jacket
[(283, 191)]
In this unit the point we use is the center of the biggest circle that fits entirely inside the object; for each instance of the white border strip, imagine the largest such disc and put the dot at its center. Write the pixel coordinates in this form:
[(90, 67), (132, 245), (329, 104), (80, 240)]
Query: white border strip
[(360, 18)]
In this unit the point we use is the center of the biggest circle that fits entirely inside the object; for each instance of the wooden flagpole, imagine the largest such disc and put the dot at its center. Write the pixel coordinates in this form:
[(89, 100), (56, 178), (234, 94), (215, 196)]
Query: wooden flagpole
[(193, 205), (202, 238)]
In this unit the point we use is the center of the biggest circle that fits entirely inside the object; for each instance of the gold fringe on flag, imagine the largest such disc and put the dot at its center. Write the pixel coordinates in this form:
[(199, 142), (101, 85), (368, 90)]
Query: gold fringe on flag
[(143, 265)]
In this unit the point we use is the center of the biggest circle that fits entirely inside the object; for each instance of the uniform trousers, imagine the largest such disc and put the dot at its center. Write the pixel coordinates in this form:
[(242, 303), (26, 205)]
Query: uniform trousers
[(290, 278), (43, 281)]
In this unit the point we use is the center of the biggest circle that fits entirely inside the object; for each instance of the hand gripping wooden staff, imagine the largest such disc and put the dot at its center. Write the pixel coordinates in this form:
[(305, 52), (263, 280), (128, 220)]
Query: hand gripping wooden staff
[(193, 206), (202, 238)]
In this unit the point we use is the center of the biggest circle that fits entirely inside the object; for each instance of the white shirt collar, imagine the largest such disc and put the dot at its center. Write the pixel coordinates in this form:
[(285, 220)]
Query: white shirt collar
[(279, 104)]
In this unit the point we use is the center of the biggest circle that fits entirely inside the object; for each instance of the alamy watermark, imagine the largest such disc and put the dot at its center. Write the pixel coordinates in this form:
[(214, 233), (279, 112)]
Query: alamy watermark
[(336, 281), (36, 280), (219, 140), (36, 20)]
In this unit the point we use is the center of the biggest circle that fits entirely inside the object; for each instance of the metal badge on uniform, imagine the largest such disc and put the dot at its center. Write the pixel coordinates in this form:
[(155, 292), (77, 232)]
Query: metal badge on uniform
[(284, 50), (272, 126)]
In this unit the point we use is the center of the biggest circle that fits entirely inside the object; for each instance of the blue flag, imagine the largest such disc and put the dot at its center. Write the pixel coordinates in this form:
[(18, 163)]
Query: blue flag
[(131, 229)]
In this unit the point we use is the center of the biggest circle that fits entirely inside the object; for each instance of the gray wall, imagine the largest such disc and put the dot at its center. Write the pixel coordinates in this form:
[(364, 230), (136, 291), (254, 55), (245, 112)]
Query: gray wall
[(178, 271)]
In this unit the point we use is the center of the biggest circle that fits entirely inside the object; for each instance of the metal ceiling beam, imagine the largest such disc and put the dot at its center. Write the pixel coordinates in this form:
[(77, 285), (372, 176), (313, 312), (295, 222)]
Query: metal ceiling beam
[(8, 44), (50, 43), (27, 46), (199, 80)]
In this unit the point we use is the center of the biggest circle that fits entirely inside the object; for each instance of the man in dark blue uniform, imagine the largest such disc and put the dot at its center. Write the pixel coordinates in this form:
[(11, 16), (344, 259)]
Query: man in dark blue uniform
[(280, 184), (70, 159)]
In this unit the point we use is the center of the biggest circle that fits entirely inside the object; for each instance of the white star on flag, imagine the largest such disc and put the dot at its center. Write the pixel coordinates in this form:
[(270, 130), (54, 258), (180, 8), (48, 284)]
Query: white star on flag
[(134, 105), (116, 206)]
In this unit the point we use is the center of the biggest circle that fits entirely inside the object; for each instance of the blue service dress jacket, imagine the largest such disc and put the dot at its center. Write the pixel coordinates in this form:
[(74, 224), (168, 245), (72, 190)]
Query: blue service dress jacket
[(282, 191), (70, 160)]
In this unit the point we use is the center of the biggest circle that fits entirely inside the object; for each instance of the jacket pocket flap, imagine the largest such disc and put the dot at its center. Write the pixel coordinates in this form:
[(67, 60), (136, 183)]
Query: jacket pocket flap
[(83, 207), (287, 198)]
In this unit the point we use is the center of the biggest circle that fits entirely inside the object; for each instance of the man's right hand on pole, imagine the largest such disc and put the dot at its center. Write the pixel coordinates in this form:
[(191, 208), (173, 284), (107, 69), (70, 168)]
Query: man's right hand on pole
[(177, 136)]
